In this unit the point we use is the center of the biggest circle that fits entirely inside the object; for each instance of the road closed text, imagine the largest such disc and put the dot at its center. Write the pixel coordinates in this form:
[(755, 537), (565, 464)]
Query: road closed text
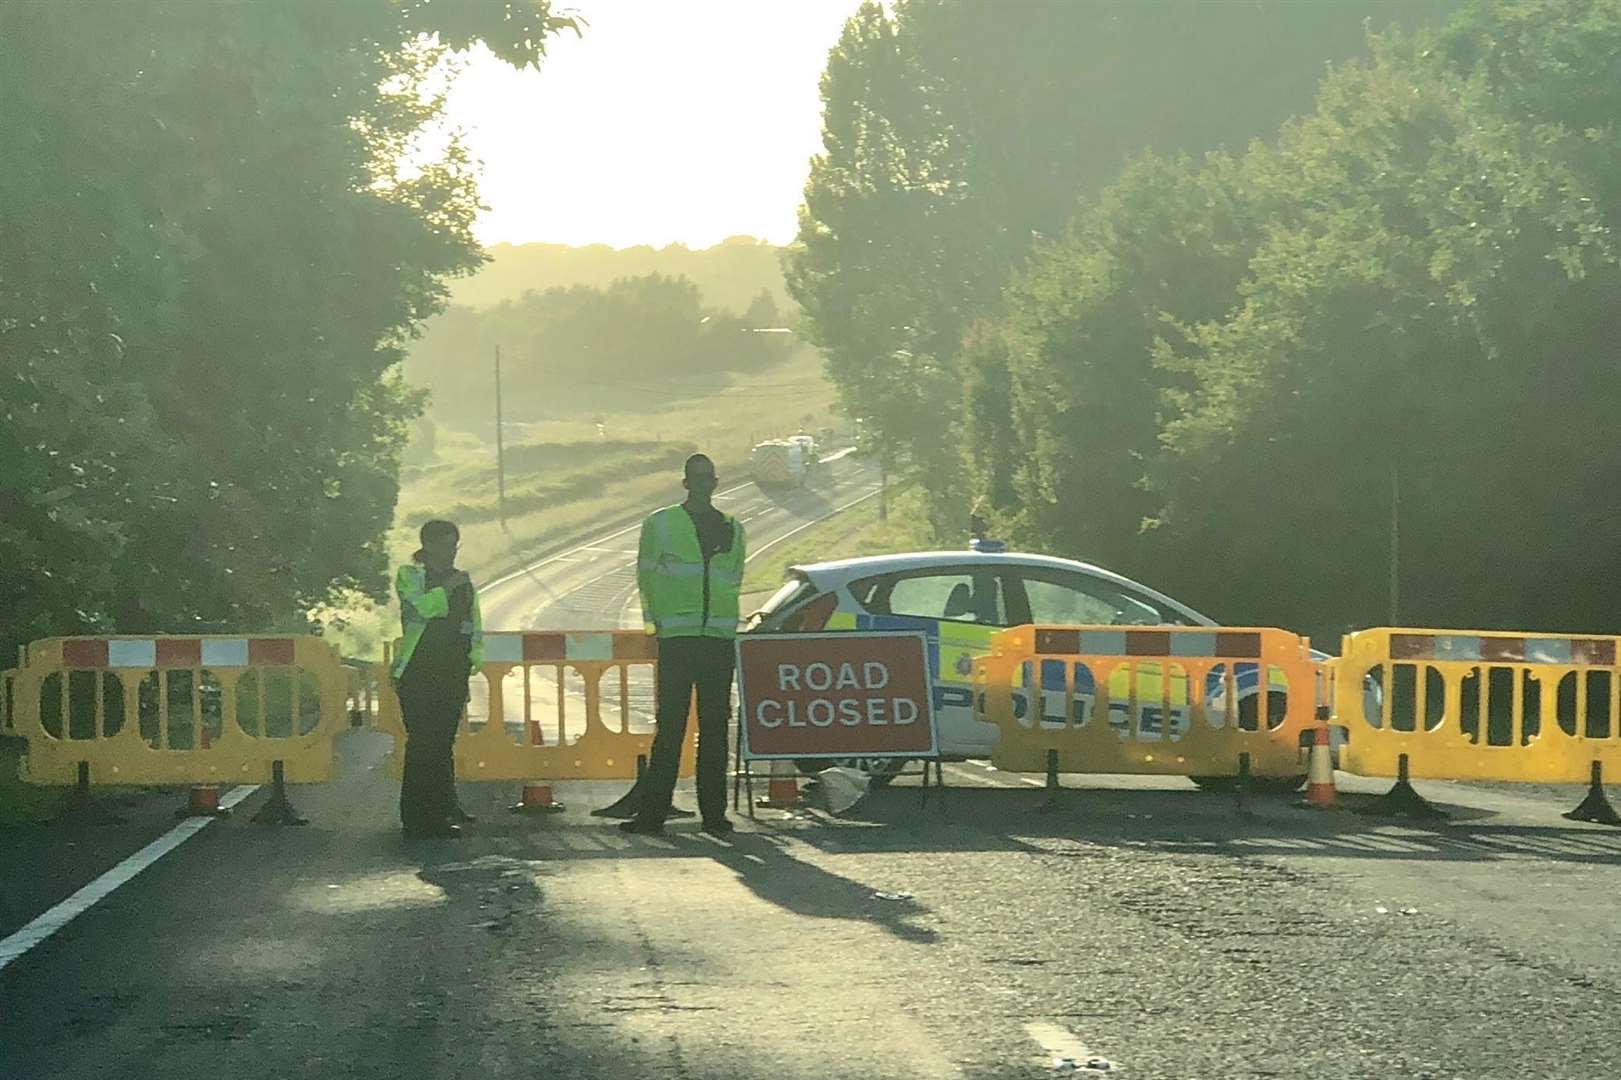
[(860, 697), (834, 695)]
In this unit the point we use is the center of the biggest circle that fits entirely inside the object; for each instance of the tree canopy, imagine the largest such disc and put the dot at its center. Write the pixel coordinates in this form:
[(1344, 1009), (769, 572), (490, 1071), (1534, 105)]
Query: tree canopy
[(218, 229), (1231, 372), (959, 132)]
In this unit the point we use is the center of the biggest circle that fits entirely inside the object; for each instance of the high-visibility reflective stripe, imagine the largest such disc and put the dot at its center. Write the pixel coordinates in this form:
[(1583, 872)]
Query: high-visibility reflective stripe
[(678, 622), (680, 570)]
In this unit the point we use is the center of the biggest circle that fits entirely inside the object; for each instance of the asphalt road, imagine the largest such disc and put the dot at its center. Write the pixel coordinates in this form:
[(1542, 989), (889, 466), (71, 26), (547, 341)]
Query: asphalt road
[(1139, 922)]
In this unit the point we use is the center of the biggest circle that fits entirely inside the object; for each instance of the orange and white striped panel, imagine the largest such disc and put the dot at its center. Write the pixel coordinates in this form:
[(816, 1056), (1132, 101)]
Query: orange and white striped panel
[(1581, 652), (175, 652), (1233, 644), (565, 648)]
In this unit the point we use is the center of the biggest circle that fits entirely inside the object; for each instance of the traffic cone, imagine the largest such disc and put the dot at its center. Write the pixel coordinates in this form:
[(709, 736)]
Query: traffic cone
[(204, 801), (782, 789), (537, 799), (1320, 792)]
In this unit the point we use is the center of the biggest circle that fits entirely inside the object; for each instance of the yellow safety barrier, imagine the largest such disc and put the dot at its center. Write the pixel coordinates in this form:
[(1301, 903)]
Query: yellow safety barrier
[(1181, 701), (537, 709), (179, 710), (1479, 705)]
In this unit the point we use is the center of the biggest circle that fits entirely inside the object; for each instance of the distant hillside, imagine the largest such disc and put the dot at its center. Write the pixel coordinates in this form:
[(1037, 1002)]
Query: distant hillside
[(729, 275)]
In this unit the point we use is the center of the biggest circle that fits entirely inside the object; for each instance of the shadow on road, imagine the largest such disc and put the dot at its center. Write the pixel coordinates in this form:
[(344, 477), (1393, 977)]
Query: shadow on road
[(773, 875), (987, 819)]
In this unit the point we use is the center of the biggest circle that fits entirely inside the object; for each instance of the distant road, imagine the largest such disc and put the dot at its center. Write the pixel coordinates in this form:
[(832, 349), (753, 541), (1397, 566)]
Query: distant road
[(593, 586)]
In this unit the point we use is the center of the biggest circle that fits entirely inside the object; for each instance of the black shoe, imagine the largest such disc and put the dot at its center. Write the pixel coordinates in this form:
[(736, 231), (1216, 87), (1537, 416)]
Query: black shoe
[(719, 827), (443, 830), (458, 815), (642, 828)]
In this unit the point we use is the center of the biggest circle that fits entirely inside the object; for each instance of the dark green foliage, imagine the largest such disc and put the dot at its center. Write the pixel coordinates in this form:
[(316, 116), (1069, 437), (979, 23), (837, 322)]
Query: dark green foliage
[(957, 132), (210, 259), (1217, 377)]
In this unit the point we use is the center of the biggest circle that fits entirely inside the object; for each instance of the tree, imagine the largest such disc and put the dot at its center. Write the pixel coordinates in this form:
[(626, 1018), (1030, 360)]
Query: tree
[(212, 250), (1414, 283), (956, 135)]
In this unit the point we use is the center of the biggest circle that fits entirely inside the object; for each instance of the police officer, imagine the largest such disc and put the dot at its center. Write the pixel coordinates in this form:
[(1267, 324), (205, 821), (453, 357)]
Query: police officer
[(689, 572), (442, 645)]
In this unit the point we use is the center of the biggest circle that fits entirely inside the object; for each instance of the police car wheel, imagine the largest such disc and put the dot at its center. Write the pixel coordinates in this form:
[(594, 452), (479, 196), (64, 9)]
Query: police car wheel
[(881, 770)]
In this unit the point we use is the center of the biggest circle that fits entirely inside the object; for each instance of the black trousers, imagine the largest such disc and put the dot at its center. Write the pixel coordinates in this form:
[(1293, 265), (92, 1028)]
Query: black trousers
[(432, 712), (684, 664)]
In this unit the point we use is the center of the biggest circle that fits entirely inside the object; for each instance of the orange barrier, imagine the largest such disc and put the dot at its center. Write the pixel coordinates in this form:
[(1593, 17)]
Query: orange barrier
[(1185, 701)]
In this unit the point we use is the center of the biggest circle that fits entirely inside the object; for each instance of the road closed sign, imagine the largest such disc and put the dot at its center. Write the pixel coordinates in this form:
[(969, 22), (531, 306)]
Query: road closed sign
[(836, 695)]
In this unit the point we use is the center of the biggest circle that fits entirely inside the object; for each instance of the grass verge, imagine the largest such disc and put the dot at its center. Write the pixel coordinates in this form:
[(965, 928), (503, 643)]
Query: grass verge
[(857, 531), (566, 476)]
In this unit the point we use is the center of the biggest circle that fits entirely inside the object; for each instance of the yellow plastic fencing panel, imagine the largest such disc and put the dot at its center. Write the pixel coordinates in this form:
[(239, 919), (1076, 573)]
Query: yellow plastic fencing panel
[(1476, 705), (1162, 700), (553, 706), (180, 710)]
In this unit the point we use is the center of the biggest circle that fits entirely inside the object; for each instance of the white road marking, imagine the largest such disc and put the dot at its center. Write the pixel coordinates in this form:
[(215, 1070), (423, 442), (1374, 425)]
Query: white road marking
[(1059, 1043), (19, 943)]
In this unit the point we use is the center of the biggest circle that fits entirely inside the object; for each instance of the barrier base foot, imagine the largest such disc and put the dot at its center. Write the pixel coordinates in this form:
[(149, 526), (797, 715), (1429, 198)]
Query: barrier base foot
[(627, 805), (278, 810), (1403, 802), (1595, 808)]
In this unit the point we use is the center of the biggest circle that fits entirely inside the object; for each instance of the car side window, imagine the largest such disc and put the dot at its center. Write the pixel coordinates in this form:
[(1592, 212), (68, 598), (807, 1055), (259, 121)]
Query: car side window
[(967, 597), (1074, 600)]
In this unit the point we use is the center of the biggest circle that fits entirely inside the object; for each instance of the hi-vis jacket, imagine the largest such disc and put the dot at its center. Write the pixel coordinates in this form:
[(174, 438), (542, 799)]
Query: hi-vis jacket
[(418, 604), (683, 596)]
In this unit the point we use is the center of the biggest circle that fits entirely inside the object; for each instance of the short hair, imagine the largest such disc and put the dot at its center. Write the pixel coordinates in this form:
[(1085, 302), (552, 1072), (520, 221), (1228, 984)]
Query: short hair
[(437, 529), (693, 461)]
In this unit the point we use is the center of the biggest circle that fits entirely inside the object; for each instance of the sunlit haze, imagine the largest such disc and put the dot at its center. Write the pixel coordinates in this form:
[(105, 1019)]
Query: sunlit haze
[(663, 123)]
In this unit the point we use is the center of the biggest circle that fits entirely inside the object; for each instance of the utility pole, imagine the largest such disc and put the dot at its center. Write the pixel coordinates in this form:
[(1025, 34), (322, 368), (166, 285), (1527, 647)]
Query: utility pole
[(1395, 542), (500, 445)]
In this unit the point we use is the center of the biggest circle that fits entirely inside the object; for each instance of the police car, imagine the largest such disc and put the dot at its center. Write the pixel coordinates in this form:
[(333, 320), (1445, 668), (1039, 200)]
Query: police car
[(959, 600)]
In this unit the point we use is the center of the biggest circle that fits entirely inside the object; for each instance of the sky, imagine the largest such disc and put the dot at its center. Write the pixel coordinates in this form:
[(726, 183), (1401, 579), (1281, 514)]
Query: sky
[(664, 123)]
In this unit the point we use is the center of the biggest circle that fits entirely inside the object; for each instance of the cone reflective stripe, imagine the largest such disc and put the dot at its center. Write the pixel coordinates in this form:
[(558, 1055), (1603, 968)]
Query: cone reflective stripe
[(1320, 775), (782, 789)]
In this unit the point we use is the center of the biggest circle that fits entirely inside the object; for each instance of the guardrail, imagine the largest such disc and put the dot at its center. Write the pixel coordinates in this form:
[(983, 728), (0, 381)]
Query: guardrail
[(1164, 700), (1480, 705), (538, 706)]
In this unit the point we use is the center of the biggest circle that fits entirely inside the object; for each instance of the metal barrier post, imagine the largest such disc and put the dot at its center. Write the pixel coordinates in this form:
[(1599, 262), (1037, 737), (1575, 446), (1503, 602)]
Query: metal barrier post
[(83, 808), (1596, 806), (1243, 788), (1052, 801)]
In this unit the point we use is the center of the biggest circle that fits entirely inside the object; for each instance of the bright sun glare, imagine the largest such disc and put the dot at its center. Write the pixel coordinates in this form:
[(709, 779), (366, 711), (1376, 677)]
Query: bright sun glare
[(664, 123)]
